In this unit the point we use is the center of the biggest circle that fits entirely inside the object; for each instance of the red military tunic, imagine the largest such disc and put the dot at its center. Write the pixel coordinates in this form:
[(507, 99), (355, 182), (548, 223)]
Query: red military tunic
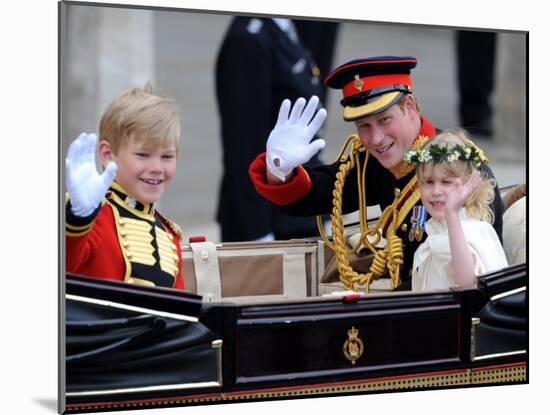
[(124, 240)]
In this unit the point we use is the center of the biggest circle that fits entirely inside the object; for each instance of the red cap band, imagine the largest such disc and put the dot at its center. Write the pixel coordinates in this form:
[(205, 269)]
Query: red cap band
[(359, 85)]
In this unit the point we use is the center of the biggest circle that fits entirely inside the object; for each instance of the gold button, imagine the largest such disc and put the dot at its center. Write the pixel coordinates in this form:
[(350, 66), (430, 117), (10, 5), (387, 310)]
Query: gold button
[(404, 227), (121, 221), (123, 233), (129, 254), (130, 281)]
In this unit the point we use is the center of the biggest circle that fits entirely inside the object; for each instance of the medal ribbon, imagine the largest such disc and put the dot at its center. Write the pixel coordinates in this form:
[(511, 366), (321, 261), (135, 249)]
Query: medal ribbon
[(419, 216)]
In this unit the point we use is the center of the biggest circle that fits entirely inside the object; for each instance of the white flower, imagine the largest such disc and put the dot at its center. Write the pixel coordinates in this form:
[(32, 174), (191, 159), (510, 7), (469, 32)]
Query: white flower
[(453, 156), (408, 156), (421, 155), (427, 156)]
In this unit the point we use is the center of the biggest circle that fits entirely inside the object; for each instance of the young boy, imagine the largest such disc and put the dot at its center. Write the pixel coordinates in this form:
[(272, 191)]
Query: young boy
[(112, 228)]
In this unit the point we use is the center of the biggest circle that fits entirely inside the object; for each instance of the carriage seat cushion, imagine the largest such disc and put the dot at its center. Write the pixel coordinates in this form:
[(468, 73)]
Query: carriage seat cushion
[(514, 231), (514, 194)]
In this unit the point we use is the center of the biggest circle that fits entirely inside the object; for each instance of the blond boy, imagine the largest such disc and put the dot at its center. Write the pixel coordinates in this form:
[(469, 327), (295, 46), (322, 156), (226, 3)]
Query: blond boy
[(112, 228)]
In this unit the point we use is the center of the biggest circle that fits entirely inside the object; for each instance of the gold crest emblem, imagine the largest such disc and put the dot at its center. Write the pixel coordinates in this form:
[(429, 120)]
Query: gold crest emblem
[(353, 347), (358, 83)]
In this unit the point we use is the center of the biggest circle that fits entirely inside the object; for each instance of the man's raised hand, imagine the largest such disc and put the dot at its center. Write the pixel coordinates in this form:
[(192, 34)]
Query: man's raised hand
[(288, 145)]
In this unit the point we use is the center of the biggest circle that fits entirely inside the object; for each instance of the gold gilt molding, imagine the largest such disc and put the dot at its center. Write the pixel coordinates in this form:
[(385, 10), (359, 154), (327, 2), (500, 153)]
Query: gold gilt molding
[(512, 373), (516, 372)]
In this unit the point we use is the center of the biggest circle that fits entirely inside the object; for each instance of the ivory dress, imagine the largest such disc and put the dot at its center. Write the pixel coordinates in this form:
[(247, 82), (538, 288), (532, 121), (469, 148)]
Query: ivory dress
[(432, 260)]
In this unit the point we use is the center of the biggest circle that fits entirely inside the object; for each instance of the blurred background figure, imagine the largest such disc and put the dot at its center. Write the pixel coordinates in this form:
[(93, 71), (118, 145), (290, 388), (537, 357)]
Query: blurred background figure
[(261, 62), (476, 73), (109, 49), (320, 38)]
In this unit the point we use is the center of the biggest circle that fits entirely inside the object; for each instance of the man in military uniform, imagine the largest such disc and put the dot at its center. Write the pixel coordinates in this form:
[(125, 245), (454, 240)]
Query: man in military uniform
[(377, 97), (261, 61)]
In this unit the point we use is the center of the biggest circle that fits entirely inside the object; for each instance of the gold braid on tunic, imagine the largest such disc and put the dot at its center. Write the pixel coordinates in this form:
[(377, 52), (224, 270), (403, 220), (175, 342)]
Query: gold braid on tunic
[(389, 258)]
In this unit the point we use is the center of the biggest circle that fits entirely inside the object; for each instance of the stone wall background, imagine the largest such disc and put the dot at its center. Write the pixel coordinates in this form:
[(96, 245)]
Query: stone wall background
[(105, 50)]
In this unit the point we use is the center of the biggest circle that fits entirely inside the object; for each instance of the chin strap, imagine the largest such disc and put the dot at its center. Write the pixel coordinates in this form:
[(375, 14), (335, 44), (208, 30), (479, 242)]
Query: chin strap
[(387, 259)]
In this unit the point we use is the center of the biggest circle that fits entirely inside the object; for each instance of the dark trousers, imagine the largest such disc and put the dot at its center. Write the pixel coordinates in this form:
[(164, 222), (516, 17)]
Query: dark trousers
[(476, 69)]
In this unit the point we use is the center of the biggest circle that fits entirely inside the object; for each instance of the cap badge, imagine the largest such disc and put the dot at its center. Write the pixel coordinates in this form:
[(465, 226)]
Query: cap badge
[(358, 83)]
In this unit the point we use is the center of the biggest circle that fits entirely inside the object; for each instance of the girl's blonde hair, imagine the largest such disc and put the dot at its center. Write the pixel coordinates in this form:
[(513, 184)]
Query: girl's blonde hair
[(477, 205), (153, 118)]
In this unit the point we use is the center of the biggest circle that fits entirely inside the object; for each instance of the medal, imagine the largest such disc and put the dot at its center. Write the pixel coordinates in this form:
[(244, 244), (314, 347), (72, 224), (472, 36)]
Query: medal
[(412, 231), (418, 219)]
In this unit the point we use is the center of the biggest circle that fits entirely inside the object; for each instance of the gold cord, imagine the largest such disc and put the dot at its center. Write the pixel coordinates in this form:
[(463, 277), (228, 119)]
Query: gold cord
[(389, 258)]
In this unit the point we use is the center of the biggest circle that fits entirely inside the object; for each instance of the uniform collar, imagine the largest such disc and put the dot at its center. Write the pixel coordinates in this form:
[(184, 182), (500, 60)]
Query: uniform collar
[(129, 201), (427, 132)]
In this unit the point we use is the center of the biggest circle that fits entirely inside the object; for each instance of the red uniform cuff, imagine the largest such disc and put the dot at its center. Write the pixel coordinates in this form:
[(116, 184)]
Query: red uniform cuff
[(280, 194)]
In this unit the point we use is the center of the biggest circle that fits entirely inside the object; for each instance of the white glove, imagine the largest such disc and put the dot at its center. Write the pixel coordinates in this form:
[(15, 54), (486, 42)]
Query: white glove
[(288, 145), (266, 238), (86, 187)]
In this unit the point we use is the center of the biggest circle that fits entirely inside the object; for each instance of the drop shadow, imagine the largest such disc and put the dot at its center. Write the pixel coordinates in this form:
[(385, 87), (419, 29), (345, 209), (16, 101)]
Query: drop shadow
[(48, 403)]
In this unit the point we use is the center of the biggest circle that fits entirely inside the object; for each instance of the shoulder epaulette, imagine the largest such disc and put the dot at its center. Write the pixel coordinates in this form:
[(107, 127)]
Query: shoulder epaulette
[(174, 227)]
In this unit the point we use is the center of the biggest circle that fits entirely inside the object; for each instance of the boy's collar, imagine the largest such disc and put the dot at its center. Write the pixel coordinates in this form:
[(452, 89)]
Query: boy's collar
[(147, 208)]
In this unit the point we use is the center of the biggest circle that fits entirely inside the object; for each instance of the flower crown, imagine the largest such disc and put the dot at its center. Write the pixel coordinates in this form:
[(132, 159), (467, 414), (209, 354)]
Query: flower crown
[(436, 154)]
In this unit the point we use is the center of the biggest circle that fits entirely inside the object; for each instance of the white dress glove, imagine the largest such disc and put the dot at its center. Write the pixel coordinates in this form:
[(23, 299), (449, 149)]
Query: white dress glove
[(288, 145), (86, 187), (266, 238)]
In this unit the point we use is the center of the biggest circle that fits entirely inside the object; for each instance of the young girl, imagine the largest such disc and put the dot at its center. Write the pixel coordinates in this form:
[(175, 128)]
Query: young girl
[(461, 242)]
